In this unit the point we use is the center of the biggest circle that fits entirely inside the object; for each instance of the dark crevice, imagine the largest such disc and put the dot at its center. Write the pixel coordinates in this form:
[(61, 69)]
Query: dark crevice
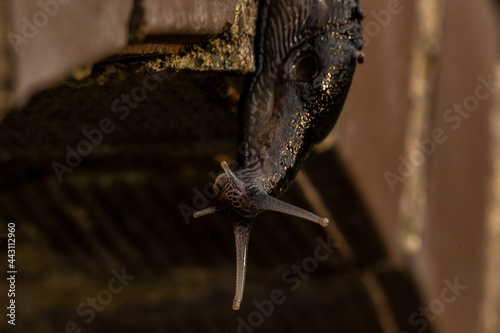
[(136, 24)]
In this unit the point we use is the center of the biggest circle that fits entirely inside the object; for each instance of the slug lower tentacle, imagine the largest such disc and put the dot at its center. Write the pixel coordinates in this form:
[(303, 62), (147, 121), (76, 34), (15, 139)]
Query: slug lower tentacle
[(306, 53), (242, 235)]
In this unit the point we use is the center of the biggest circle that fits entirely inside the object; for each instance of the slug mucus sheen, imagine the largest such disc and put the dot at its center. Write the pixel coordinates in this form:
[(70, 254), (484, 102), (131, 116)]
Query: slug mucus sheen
[(306, 53)]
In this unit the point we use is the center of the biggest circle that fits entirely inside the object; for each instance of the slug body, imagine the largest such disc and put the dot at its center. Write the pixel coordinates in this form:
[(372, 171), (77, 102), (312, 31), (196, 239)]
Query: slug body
[(306, 54)]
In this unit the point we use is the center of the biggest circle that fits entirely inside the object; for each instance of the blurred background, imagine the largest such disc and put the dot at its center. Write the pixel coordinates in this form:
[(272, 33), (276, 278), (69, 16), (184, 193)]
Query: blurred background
[(116, 115)]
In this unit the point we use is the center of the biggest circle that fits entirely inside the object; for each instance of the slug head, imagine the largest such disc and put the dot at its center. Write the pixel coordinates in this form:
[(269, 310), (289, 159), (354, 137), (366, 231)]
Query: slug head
[(235, 199), (241, 201)]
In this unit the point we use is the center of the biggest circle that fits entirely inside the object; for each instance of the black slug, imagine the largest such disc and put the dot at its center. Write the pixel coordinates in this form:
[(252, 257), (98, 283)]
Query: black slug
[(306, 53)]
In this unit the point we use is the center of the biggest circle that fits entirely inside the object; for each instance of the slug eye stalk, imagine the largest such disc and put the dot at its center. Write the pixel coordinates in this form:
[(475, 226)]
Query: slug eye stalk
[(242, 202)]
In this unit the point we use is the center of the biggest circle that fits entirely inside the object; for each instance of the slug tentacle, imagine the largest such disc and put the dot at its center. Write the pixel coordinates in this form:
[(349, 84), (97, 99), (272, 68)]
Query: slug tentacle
[(203, 212), (230, 175), (241, 236), (267, 202)]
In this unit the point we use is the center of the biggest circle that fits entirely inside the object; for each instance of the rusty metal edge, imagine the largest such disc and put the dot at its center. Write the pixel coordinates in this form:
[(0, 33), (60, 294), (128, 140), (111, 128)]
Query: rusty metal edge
[(232, 51)]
